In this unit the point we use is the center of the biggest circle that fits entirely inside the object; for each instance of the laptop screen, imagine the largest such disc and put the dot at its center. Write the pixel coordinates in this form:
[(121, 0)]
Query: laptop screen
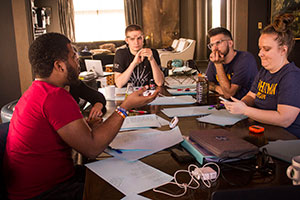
[(94, 66)]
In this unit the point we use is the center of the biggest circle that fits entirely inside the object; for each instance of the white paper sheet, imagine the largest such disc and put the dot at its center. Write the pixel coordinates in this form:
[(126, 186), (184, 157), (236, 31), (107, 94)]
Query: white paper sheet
[(173, 100), (134, 197), (221, 117), (144, 141), (129, 177), (187, 111), (162, 121), (140, 121)]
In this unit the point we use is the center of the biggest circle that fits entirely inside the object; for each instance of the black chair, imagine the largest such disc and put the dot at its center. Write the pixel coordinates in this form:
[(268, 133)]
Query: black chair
[(3, 135)]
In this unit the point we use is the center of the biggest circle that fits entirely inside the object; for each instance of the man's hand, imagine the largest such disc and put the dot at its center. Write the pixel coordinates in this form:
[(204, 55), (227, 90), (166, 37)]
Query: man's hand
[(137, 99), (96, 111), (216, 57), (146, 52), (141, 54)]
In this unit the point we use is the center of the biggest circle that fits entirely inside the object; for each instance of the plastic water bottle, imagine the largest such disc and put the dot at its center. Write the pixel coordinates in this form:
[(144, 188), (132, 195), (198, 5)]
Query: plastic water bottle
[(151, 84), (202, 89), (129, 89)]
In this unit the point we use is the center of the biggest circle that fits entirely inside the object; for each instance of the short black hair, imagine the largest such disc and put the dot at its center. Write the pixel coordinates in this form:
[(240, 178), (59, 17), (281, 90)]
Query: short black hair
[(45, 50), (133, 27), (219, 30)]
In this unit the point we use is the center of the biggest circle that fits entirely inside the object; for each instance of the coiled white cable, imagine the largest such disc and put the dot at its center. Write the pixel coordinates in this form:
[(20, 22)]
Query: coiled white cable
[(185, 186)]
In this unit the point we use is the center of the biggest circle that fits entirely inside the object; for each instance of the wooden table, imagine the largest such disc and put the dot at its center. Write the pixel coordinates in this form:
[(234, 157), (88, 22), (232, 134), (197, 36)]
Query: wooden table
[(97, 188)]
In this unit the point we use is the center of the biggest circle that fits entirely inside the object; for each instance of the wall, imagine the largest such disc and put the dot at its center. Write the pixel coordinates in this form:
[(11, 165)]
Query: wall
[(255, 7), (24, 36), (161, 21), (9, 73), (187, 19), (294, 56), (260, 11), (239, 23)]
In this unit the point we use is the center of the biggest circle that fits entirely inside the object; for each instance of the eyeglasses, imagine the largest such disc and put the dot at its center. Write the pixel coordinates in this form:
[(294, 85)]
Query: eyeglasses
[(217, 43)]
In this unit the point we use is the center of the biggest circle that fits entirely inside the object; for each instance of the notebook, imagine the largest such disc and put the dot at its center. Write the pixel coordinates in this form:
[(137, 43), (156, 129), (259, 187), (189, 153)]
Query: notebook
[(96, 67), (223, 144)]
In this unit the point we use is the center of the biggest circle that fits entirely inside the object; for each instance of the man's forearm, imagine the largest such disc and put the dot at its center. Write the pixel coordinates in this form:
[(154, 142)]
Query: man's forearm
[(122, 78), (224, 82), (157, 73)]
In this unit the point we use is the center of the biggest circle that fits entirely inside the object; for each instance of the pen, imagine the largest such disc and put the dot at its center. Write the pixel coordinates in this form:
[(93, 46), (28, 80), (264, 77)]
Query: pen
[(211, 107), (116, 150), (138, 111)]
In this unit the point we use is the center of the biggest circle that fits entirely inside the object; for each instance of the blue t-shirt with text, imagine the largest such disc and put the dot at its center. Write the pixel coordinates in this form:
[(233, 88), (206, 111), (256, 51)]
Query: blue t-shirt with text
[(282, 87), (240, 71)]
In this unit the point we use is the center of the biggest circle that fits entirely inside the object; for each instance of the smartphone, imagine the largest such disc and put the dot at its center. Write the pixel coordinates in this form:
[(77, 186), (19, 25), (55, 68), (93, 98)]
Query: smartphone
[(223, 99)]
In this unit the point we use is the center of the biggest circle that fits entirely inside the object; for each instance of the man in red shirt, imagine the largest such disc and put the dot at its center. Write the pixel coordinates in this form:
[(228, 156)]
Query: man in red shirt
[(47, 124)]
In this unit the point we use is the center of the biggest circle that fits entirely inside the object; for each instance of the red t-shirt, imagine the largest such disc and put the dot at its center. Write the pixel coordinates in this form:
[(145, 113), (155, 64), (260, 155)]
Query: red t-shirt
[(36, 157)]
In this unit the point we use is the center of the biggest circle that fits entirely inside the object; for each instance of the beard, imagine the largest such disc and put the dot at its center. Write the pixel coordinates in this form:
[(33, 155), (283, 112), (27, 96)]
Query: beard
[(225, 53), (72, 75)]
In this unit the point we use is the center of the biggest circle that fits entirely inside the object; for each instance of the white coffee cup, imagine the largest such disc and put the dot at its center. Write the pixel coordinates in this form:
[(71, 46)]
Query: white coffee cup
[(110, 91), (293, 171)]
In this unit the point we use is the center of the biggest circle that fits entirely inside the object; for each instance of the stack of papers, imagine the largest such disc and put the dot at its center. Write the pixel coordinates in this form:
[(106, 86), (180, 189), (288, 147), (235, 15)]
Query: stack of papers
[(140, 121), (129, 177), (208, 114), (173, 100), (221, 118), (141, 143), (134, 177), (187, 111)]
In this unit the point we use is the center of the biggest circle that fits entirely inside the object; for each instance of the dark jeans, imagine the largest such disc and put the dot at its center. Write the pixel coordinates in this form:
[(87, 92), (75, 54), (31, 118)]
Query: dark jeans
[(70, 189)]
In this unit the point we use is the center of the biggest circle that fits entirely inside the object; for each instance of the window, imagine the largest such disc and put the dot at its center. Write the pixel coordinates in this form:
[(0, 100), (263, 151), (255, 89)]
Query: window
[(216, 13), (99, 20)]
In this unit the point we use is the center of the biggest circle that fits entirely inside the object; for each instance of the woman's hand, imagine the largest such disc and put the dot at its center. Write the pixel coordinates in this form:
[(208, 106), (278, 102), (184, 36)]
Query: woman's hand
[(235, 107)]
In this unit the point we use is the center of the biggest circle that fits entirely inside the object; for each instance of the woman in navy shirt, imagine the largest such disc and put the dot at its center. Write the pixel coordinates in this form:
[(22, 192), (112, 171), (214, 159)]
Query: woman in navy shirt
[(274, 97)]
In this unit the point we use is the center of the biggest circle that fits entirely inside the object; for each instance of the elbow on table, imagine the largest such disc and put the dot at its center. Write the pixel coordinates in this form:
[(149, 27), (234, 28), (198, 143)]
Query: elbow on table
[(160, 83), (118, 84), (92, 154), (93, 151), (286, 122)]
